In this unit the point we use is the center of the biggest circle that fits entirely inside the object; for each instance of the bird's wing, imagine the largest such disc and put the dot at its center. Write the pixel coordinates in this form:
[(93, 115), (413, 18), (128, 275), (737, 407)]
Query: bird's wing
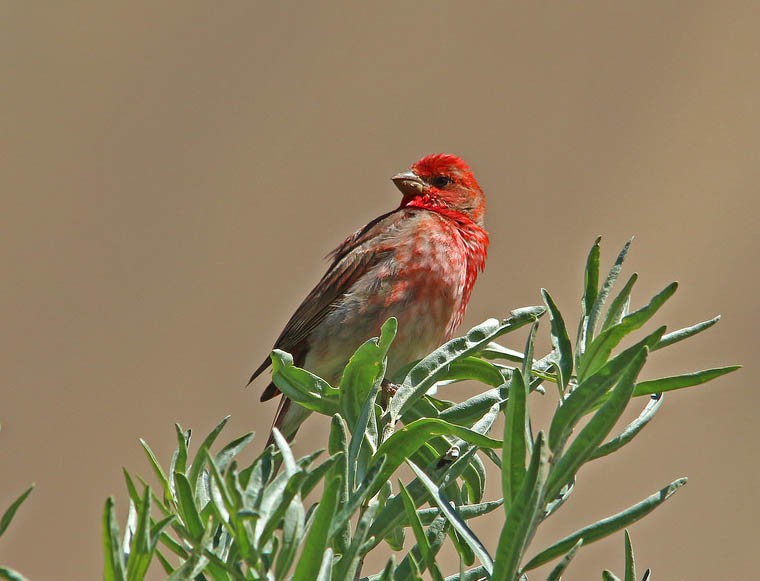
[(354, 257)]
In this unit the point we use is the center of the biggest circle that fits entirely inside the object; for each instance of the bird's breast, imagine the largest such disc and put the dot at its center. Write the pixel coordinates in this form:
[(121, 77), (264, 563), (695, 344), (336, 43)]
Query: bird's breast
[(422, 280)]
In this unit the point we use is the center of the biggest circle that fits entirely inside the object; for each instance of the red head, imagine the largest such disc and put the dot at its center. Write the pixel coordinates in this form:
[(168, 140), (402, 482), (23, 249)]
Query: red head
[(443, 181)]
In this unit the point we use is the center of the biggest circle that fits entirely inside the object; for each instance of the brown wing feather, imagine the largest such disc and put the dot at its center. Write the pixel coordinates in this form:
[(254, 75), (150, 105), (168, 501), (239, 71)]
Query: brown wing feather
[(350, 260)]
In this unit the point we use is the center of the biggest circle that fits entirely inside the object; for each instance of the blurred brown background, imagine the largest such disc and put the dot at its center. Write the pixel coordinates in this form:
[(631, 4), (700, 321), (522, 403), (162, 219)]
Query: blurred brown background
[(173, 174)]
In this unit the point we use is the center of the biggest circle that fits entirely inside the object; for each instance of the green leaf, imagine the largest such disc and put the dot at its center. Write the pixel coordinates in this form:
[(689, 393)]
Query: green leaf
[(560, 340), (371, 482), (605, 527), (315, 543), (389, 569), (435, 536), (557, 572), (685, 333), (600, 424), (582, 398), (113, 568), (325, 568), (183, 441), (601, 347), (451, 515), (346, 468), (11, 575), (527, 366), (608, 575), (186, 506), (8, 515), (630, 431), (609, 282), (231, 450), (141, 547), (419, 532), (590, 292), (158, 471), (466, 511), (362, 437), (630, 563), (424, 374), (473, 368), (400, 446), (523, 515), (287, 455), (496, 351), (292, 532), (315, 475), (620, 304), (391, 515), (303, 387), (514, 451), (365, 368), (663, 384), (199, 460), (351, 559), (467, 412)]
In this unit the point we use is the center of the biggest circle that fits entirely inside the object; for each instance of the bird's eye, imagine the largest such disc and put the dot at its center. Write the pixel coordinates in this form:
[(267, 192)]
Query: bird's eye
[(440, 181)]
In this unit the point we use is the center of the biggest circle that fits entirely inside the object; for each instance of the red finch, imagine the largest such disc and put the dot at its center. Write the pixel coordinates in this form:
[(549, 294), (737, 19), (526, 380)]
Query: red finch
[(417, 263)]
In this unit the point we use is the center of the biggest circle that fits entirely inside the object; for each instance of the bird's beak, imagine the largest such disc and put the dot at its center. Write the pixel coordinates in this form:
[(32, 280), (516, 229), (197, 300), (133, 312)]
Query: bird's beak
[(409, 183)]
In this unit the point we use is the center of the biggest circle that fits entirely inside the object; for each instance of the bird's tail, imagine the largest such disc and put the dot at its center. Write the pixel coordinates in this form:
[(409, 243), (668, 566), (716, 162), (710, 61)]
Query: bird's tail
[(288, 419)]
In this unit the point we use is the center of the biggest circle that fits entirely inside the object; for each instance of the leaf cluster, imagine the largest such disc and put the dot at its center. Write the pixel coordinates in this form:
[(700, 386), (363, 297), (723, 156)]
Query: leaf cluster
[(214, 516)]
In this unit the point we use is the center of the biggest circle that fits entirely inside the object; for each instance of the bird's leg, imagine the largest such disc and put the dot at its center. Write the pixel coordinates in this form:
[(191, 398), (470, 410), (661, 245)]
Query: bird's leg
[(389, 390)]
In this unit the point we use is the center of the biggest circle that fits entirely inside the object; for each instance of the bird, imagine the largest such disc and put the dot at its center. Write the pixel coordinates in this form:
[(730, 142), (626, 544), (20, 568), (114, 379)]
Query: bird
[(418, 263)]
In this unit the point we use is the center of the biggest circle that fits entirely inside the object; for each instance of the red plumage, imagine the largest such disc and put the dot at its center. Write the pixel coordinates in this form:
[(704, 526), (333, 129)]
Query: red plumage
[(417, 263)]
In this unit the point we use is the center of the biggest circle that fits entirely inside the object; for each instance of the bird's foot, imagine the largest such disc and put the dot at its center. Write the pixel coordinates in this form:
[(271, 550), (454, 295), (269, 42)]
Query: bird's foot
[(389, 390)]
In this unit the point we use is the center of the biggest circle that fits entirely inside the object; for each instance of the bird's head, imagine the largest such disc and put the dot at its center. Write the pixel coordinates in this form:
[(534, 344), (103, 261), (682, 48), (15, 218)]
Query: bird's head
[(442, 181)]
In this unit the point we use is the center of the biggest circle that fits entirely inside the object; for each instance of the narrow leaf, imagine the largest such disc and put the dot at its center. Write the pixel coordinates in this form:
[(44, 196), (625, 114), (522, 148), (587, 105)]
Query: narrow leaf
[(186, 507), (560, 340), (199, 460), (663, 384), (11, 575), (604, 292), (159, 472), (515, 447), (425, 373), (620, 304), (685, 333), (582, 399), (556, 573), (630, 563), (365, 368), (605, 527), (315, 543), (630, 431), (456, 521), (601, 347), (113, 569), (590, 292), (597, 428), (419, 531), (350, 561), (303, 387), (523, 515), (8, 515), (527, 367), (325, 568), (400, 446)]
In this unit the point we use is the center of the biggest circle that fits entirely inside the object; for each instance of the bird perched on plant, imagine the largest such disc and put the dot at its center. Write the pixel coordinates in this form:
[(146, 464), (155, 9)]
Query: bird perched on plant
[(417, 263)]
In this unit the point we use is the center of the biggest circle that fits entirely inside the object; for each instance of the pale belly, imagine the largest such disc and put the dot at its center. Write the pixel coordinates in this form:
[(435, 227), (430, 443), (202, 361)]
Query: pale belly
[(425, 298)]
